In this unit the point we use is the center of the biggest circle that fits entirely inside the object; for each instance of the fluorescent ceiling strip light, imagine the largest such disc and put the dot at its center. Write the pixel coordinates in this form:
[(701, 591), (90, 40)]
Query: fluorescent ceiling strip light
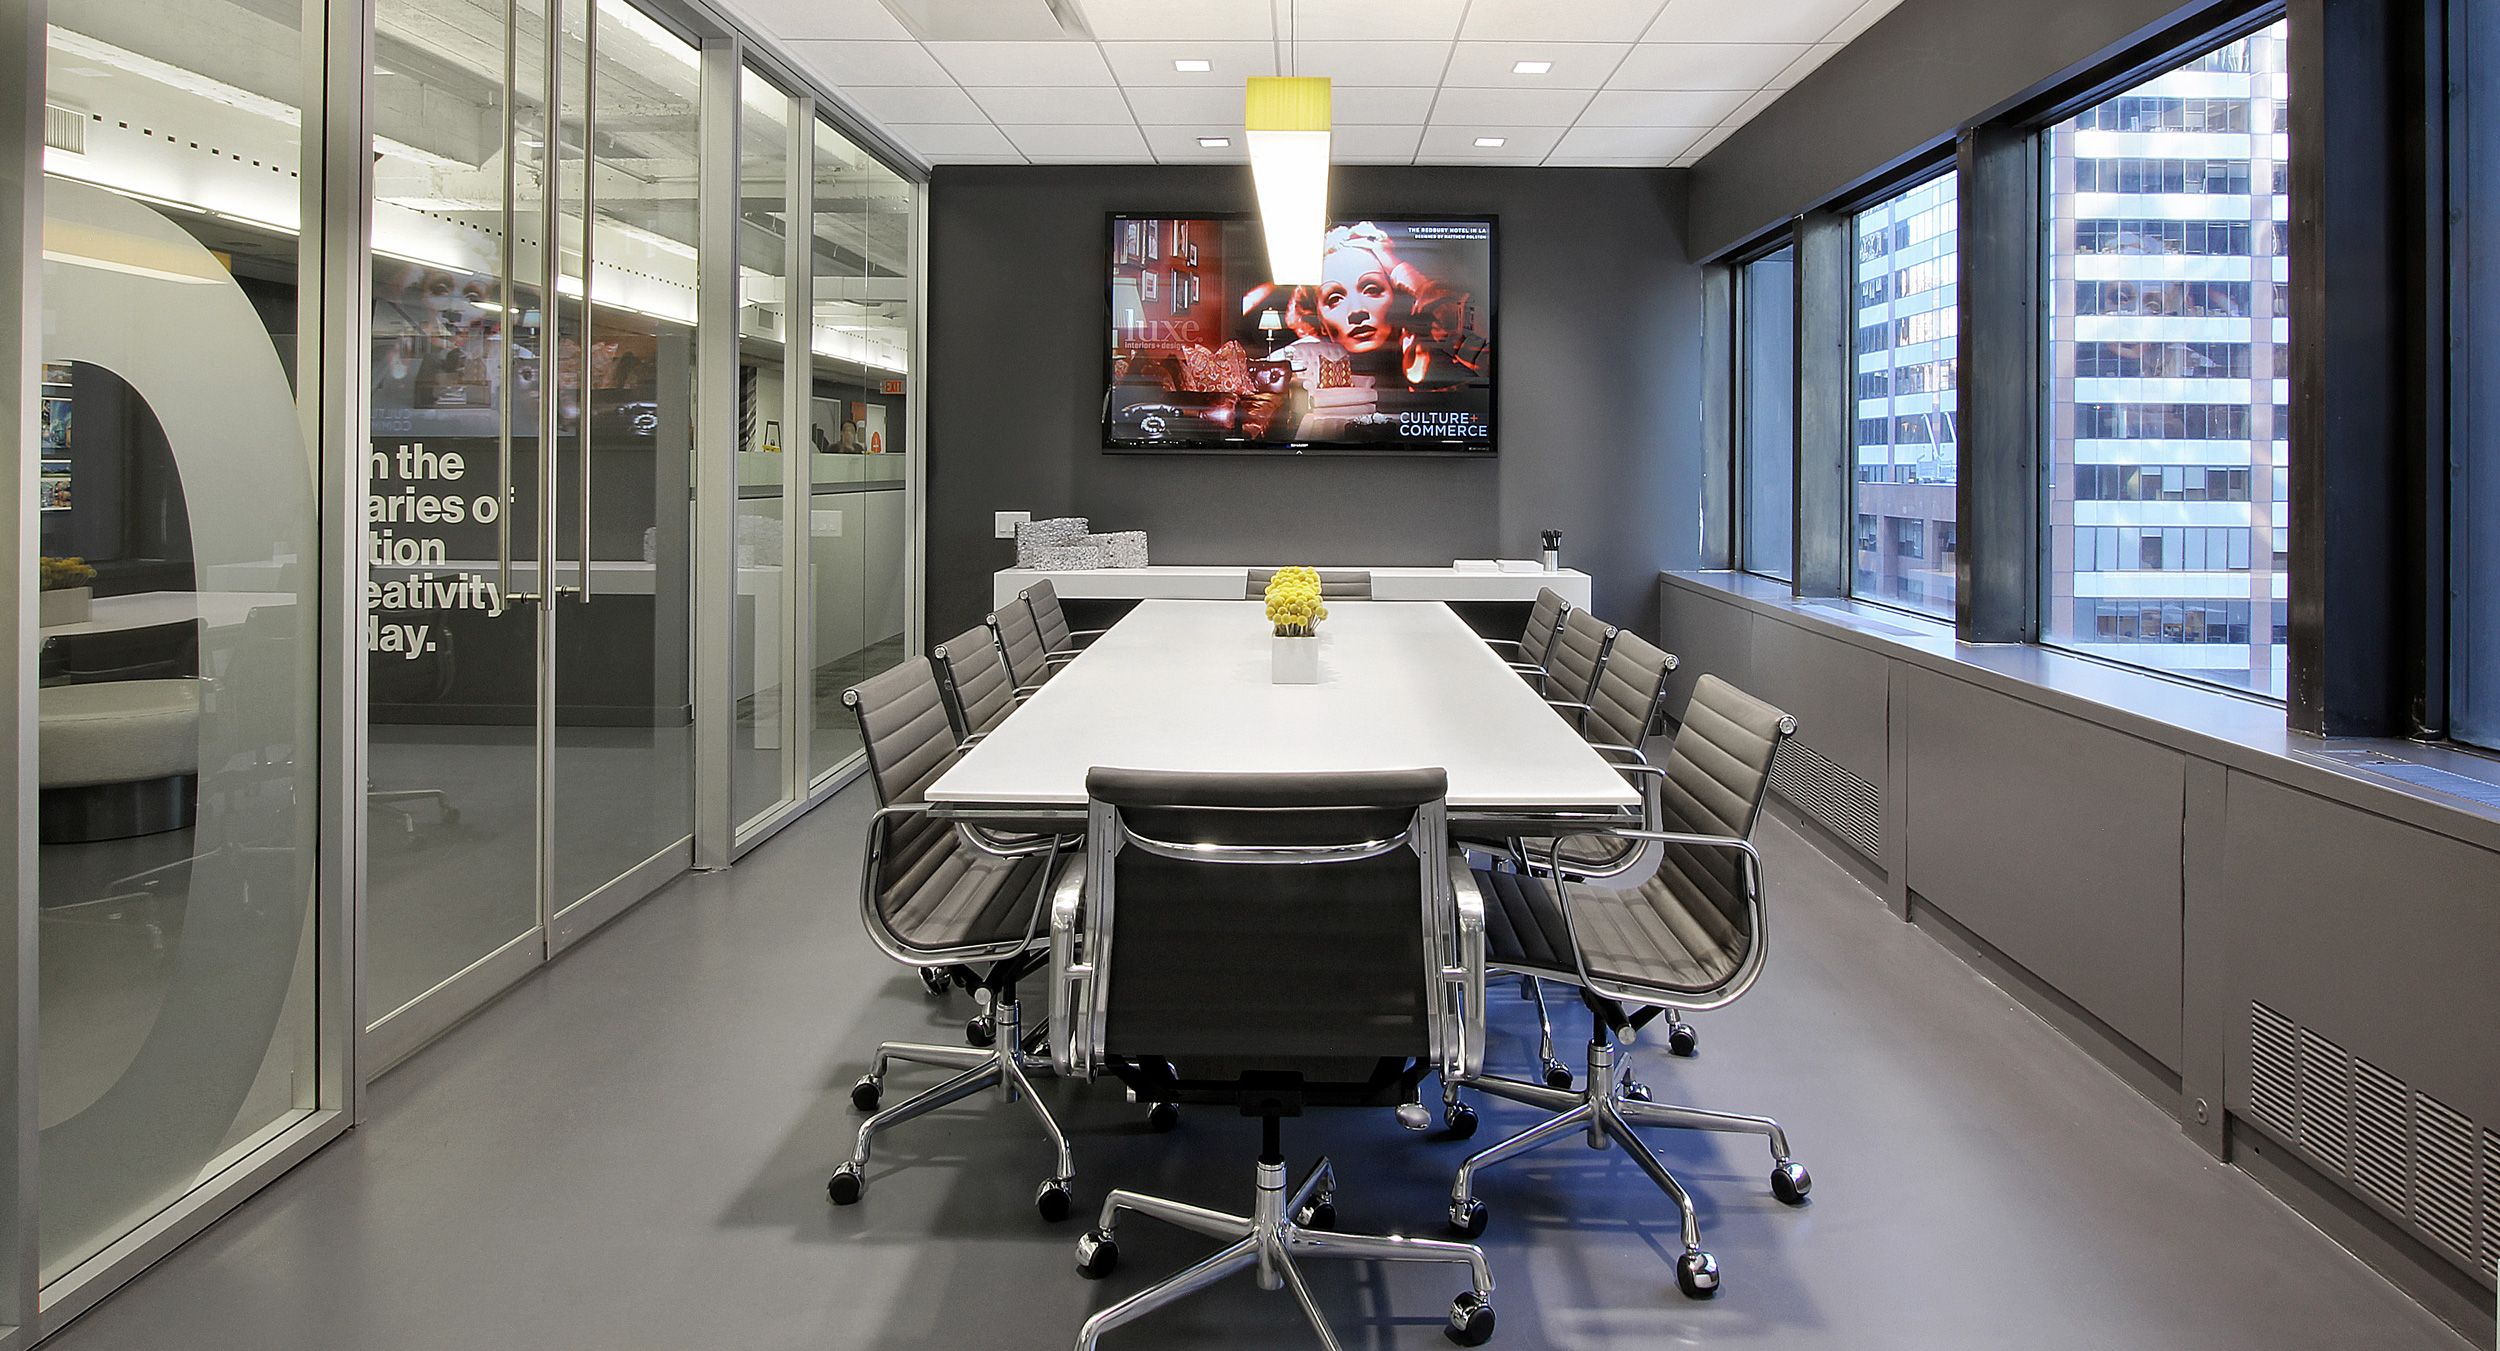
[(1287, 121)]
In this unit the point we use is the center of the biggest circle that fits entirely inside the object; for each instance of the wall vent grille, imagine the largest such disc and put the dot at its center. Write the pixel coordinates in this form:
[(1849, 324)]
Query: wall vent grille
[(64, 129), (2423, 1162), (1843, 802)]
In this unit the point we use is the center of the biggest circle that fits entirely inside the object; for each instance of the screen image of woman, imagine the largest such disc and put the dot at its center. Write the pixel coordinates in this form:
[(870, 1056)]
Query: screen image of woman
[(1388, 343)]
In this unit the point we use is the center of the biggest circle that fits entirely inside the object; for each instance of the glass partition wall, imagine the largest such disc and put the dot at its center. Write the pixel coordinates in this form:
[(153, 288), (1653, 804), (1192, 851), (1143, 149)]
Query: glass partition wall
[(365, 456)]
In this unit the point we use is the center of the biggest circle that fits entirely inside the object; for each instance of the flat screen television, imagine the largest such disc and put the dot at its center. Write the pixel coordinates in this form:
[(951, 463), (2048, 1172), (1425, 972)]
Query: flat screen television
[(1392, 353)]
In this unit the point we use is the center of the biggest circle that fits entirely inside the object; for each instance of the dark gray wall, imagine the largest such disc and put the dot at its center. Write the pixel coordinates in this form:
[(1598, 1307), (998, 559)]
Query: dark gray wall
[(1598, 332), (1905, 86)]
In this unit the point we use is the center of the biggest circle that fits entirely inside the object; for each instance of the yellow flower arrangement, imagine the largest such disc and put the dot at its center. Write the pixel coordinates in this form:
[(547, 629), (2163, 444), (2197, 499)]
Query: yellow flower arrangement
[(62, 573), (1293, 603)]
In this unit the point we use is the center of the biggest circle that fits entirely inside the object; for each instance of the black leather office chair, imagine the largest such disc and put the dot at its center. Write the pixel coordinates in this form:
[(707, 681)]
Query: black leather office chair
[(1527, 655), (1052, 621), (1274, 940), (931, 896), (1683, 928), (979, 692), (1334, 583)]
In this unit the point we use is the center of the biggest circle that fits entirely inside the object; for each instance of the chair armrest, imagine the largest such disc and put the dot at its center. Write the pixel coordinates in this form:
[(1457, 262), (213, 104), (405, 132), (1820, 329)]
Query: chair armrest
[(1011, 844), (1558, 705), (1749, 865), (1059, 658), (1611, 751), (1512, 643), (1071, 979), (1468, 977)]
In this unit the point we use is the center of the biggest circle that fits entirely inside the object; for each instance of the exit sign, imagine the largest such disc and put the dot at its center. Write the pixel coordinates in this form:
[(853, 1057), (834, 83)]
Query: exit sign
[(893, 386)]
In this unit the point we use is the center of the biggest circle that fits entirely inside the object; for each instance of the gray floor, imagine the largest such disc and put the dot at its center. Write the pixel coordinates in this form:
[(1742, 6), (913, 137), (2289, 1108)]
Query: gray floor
[(629, 1152)]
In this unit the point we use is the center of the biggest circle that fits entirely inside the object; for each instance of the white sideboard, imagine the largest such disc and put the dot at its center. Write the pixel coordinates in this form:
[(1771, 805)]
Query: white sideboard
[(1227, 582)]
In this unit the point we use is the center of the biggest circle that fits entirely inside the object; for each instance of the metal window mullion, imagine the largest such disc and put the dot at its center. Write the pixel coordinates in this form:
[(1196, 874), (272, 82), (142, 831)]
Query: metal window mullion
[(1826, 391), (1722, 392), (1998, 359), (715, 447)]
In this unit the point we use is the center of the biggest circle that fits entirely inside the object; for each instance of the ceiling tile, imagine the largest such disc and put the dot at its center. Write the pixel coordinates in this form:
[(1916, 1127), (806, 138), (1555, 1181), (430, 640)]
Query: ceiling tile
[(1157, 20), (957, 142), (1375, 145), (1375, 20), (1804, 65), (1457, 145), (1372, 63), (1173, 107), (1748, 20), (1746, 111), (1084, 104), (843, 64), (1661, 107), (1711, 141), (1022, 63), (1704, 65), (922, 103), (1510, 107), (1654, 144), (1150, 63), (1563, 160), (847, 20), (1102, 145), (1179, 145), (1577, 65), (1862, 20), (1548, 21), (1377, 107), (1682, 162)]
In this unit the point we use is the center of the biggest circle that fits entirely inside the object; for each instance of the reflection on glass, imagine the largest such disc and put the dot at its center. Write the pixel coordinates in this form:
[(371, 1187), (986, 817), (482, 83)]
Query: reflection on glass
[(178, 663), (764, 747), (2166, 543), (1908, 441), (1766, 428), (860, 349)]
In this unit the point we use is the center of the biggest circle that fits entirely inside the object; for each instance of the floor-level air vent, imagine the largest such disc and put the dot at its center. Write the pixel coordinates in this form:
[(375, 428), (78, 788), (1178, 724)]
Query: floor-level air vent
[(2423, 1162), (1844, 803)]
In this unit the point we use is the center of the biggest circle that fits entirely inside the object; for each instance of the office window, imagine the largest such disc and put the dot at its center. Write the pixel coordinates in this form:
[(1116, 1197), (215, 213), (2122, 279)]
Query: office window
[(1908, 443), (1766, 413), (2167, 387), (2474, 492)]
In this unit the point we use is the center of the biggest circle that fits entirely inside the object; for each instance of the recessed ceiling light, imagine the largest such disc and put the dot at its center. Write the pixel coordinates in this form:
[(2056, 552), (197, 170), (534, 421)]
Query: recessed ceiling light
[(1189, 67), (1489, 142), (1532, 68), (1214, 142)]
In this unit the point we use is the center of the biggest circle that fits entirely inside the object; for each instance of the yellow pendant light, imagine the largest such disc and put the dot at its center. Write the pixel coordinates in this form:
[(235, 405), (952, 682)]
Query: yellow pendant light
[(1288, 122)]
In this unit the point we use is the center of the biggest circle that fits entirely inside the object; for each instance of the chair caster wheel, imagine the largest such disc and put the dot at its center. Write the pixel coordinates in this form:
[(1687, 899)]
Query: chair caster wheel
[(1163, 1118), (1320, 1214), (1096, 1255), (1468, 1220), (1790, 1182), (1682, 1039), (1460, 1119), (1052, 1200), (1697, 1274), (1471, 1320), (981, 1031), (866, 1093), (935, 980), (1557, 1074), (846, 1185), (1635, 1091)]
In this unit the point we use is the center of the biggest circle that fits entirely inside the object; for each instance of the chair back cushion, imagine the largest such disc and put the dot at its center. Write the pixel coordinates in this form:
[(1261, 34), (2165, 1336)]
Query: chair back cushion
[(1020, 640), (1579, 652), (1334, 584), (1715, 779), (978, 692), (1226, 967), (1544, 618), (1048, 617), (1629, 690)]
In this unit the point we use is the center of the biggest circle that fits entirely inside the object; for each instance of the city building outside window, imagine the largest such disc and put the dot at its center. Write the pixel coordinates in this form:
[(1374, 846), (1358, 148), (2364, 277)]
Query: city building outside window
[(2167, 390), (1908, 454)]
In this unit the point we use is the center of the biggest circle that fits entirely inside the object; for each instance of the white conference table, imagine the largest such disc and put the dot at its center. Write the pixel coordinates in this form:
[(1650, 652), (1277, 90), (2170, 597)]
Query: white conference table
[(1184, 685)]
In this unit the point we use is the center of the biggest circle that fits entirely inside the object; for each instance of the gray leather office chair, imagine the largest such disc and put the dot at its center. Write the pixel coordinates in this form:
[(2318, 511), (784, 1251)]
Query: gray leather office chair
[(1273, 940), (931, 896), (1052, 621), (1572, 664), (1527, 655), (979, 692), (1029, 662), (1684, 929), (1334, 584)]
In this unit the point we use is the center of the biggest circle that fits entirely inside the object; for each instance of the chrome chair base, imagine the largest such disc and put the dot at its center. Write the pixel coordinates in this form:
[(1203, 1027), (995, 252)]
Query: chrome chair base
[(1269, 1240), (1605, 1110), (1009, 1063)]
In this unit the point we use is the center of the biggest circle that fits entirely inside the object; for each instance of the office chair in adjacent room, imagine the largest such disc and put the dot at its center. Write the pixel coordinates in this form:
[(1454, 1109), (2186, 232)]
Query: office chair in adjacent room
[(930, 897), (1277, 941), (1057, 638), (1544, 621), (1682, 928), (1334, 583)]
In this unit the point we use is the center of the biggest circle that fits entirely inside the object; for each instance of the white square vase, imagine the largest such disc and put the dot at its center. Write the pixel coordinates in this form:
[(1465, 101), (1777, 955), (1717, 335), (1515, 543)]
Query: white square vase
[(1296, 660), (64, 605)]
